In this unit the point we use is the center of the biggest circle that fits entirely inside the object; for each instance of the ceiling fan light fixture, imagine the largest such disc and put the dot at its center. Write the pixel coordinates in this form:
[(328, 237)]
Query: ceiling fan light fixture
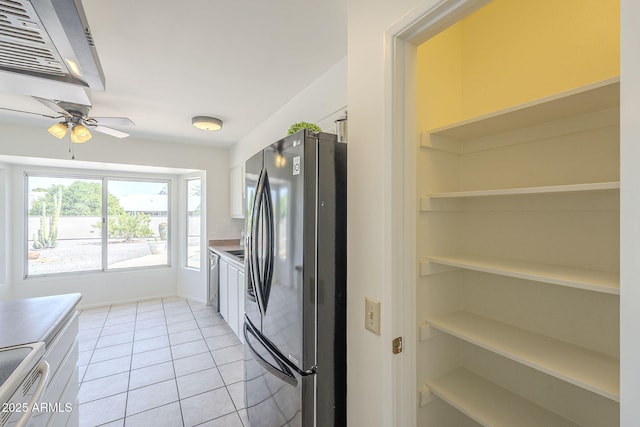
[(59, 130), (80, 134), (207, 123)]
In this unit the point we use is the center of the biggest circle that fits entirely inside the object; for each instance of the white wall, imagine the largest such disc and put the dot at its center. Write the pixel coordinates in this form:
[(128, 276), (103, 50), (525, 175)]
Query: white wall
[(370, 364), (5, 290), (25, 141), (189, 279), (322, 102), (630, 215), (370, 385)]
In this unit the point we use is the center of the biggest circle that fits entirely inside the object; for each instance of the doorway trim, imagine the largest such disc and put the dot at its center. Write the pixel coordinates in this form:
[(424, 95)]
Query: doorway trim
[(401, 40)]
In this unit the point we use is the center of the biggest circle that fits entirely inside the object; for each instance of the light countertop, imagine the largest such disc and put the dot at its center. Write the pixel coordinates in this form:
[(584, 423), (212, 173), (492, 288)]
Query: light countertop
[(223, 251), (34, 319)]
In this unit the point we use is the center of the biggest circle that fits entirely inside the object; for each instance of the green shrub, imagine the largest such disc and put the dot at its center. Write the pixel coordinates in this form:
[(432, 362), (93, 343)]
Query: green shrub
[(303, 125), (128, 227)]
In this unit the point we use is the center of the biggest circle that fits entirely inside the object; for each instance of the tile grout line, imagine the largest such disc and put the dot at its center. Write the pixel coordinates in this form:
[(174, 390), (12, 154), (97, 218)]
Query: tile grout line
[(223, 381), (95, 345), (167, 307), (173, 366), (133, 340)]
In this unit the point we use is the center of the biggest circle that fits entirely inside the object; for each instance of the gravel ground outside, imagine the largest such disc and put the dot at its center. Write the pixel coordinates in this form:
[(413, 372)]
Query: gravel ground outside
[(83, 255)]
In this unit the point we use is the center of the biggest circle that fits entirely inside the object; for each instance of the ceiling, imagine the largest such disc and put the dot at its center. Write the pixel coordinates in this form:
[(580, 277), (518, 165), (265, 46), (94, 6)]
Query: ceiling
[(166, 61)]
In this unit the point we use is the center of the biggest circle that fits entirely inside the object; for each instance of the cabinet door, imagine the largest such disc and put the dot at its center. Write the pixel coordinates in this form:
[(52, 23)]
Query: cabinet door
[(236, 191), (223, 290), (241, 288), (233, 299)]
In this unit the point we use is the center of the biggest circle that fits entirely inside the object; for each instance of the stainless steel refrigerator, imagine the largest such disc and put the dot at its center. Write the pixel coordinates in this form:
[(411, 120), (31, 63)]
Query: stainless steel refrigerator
[(295, 290)]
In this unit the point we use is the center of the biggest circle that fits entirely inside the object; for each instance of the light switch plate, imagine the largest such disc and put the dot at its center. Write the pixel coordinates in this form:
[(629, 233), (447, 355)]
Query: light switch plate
[(372, 315)]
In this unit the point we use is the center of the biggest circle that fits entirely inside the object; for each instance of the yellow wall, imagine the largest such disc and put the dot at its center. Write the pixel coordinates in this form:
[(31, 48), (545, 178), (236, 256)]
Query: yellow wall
[(514, 51)]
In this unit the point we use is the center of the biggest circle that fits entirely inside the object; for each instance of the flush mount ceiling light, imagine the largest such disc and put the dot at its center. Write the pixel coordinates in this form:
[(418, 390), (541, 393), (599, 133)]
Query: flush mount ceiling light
[(207, 123)]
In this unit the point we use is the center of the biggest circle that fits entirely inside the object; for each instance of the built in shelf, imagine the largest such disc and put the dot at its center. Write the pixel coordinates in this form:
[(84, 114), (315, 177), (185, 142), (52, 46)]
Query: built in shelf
[(589, 98), (491, 405), (550, 189), (590, 370), (591, 280)]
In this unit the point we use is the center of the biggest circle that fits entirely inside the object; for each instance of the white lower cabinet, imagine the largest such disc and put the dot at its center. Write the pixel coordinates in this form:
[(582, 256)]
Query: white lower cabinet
[(60, 399), (232, 277), (223, 289), (241, 288), (231, 291)]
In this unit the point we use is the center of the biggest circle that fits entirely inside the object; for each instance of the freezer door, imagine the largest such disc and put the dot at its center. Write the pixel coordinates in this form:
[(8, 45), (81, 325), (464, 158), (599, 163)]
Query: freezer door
[(274, 394), (289, 320)]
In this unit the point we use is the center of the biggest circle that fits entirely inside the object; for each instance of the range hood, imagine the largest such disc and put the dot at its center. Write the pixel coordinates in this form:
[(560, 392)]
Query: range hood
[(50, 40)]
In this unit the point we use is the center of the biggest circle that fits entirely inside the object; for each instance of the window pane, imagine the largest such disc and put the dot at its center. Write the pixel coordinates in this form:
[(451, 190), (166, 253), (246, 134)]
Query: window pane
[(193, 223), (63, 225), (137, 223)]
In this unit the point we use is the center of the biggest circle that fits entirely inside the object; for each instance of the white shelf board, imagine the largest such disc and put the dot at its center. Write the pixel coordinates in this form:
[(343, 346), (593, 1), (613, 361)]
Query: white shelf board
[(594, 97), (491, 405), (579, 366), (550, 189), (590, 280)]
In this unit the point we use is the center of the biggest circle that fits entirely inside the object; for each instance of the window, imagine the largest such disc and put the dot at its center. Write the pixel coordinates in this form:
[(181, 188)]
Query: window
[(66, 232), (137, 223), (63, 224), (193, 222)]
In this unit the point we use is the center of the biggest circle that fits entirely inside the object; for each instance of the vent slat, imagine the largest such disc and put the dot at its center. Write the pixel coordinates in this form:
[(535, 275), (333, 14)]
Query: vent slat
[(33, 70), (27, 61), (40, 70), (26, 54), (10, 53), (28, 64), (34, 49), (12, 32), (13, 8), (25, 26)]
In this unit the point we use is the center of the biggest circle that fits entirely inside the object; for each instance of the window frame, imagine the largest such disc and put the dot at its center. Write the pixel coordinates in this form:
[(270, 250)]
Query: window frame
[(186, 211), (105, 221), (104, 179)]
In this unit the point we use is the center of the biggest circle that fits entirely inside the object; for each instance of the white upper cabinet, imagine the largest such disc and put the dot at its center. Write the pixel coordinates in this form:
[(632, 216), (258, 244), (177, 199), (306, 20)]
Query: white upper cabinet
[(236, 191)]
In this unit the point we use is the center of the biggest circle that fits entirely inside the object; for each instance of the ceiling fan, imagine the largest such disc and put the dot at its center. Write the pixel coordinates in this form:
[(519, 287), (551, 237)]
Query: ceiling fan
[(76, 117)]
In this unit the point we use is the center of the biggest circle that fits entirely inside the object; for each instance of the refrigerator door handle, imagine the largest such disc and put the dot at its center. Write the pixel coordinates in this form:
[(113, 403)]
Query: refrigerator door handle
[(262, 211), (273, 350), (270, 226), (250, 291), (253, 260), (283, 373)]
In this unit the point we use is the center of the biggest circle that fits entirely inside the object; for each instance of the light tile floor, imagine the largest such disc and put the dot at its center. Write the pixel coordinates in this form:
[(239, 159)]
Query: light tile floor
[(168, 362)]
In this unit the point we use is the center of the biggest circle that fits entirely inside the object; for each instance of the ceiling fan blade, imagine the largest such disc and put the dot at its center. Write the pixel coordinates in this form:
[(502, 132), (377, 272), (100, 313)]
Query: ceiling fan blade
[(109, 131), (29, 112), (112, 121), (52, 106)]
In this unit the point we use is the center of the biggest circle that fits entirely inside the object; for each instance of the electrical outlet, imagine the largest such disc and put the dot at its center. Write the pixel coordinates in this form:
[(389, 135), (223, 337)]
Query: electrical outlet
[(372, 315)]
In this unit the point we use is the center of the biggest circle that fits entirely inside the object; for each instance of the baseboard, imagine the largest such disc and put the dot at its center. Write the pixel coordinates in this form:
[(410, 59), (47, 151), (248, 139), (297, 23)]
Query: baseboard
[(190, 298), (128, 301)]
